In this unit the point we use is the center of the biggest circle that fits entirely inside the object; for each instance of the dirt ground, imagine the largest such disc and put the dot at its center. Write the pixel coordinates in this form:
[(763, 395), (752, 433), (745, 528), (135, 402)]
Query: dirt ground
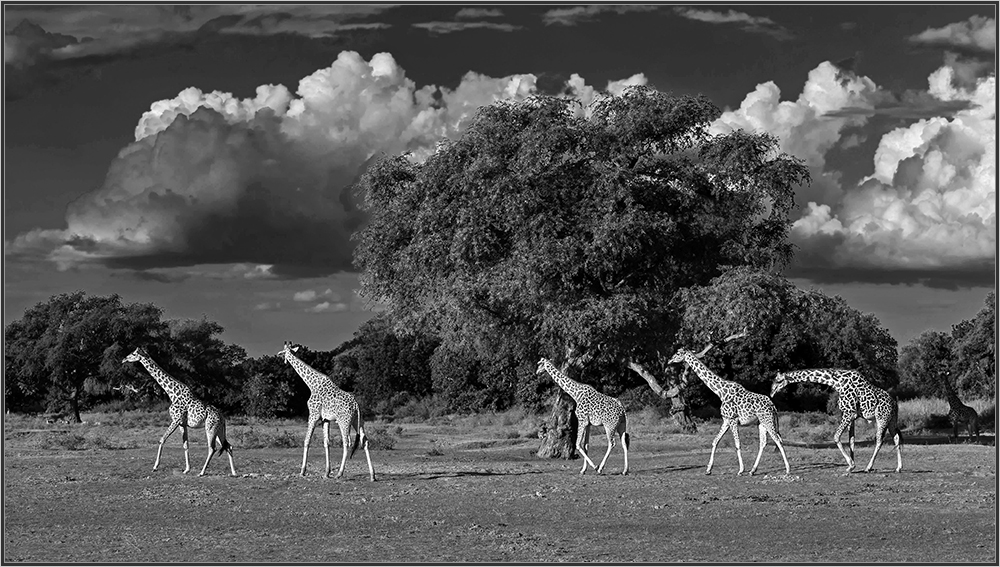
[(461, 497)]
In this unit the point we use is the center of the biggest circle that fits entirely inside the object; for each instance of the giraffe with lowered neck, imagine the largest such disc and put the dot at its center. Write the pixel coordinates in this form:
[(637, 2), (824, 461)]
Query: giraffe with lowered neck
[(186, 410), (857, 398), (958, 412), (592, 408), (329, 403), (739, 407)]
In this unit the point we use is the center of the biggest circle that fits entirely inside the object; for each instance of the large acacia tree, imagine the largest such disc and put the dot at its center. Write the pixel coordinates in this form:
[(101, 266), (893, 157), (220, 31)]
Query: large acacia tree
[(571, 231)]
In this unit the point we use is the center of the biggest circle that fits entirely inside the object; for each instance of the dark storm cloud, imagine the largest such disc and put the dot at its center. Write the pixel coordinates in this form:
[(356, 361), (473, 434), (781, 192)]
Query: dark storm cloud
[(451, 27), (981, 274), (575, 15)]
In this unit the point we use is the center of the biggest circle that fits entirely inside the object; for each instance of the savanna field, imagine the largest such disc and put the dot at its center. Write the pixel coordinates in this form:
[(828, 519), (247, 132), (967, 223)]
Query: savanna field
[(470, 488)]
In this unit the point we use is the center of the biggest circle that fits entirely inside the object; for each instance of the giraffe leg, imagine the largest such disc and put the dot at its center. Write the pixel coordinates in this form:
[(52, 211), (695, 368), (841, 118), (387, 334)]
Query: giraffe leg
[(734, 425), (850, 439), (625, 442), (163, 439), (847, 418), (879, 433), (777, 441), (898, 440), (184, 436), (326, 447), (364, 445), (345, 431), (611, 445), (715, 443), (210, 436), (954, 430), (762, 434), (305, 449), (582, 440)]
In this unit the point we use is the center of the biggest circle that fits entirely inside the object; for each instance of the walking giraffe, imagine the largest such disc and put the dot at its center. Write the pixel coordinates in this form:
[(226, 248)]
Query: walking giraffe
[(592, 408), (858, 398), (186, 410), (958, 412), (329, 403), (739, 407)]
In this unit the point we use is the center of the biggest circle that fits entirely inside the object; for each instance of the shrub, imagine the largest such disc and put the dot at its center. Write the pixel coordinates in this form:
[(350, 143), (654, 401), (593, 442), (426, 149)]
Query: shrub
[(382, 438)]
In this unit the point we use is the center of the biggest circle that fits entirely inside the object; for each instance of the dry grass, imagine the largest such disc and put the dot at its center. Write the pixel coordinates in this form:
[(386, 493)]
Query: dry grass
[(928, 414)]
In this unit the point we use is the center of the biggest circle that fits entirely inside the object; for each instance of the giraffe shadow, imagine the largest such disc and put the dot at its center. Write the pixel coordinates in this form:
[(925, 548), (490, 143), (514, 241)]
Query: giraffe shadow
[(674, 468), (455, 474)]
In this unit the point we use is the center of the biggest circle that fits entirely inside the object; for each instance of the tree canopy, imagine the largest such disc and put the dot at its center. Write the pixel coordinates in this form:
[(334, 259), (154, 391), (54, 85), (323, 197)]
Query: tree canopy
[(565, 229)]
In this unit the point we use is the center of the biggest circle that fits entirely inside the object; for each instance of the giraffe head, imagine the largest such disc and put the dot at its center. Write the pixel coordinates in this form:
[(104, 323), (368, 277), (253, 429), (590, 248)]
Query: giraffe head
[(288, 349), (137, 355), (542, 366), (779, 383), (680, 356)]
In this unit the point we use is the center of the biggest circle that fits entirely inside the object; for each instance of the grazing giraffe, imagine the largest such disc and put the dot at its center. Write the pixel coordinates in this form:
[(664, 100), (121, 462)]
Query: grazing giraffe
[(739, 407), (592, 408), (186, 410), (960, 413), (858, 398), (329, 403)]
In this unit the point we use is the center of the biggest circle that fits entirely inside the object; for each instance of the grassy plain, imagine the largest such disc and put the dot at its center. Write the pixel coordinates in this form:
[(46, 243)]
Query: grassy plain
[(469, 488)]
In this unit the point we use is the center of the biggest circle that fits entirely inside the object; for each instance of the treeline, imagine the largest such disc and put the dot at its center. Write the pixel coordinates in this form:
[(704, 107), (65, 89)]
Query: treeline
[(65, 355)]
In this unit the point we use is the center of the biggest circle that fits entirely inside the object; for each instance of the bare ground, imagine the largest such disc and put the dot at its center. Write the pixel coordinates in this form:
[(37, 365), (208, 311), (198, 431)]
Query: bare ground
[(467, 496)]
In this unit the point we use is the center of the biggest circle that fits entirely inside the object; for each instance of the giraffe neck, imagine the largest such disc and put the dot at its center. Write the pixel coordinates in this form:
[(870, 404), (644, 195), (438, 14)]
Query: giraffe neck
[(313, 378), (953, 399), (571, 387), (722, 388), (817, 376), (170, 385)]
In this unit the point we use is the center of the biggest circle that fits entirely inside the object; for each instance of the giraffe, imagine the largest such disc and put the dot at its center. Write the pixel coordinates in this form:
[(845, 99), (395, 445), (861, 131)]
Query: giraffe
[(592, 408), (186, 410), (960, 413), (858, 398), (329, 403), (739, 407)]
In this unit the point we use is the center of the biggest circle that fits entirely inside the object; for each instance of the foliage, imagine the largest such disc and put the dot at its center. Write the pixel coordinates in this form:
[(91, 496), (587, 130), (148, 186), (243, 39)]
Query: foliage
[(68, 351), (975, 352), (568, 229), (787, 329), (924, 363)]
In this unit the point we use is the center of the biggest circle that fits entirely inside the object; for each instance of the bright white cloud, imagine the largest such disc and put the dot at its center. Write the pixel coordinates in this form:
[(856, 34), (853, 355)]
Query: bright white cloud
[(264, 181)]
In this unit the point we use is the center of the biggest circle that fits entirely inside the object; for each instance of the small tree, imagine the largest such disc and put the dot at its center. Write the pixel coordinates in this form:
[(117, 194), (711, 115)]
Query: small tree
[(69, 349), (572, 232), (974, 349)]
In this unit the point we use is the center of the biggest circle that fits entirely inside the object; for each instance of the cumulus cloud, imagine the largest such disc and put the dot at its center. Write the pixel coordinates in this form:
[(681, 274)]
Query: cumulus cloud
[(929, 207), (746, 22), (580, 14), (216, 180), (927, 210)]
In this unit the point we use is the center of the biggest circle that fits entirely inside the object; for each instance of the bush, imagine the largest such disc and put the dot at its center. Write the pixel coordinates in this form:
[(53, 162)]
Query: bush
[(382, 438)]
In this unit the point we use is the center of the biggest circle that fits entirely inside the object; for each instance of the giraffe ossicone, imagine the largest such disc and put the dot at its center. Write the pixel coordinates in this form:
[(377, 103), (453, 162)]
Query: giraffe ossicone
[(739, 407), (857, 398), (592, 408), (186, 410), (329, 403)]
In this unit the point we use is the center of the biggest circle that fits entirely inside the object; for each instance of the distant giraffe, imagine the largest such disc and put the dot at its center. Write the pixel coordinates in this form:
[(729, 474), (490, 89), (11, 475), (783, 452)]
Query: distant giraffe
[(857, 398), (592, 408), (329, 403), (958, 412), (739, 407), (186, 410)]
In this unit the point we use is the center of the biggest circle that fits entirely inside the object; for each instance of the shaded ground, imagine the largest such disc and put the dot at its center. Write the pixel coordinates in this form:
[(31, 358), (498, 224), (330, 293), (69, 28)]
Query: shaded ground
[(461, 496)]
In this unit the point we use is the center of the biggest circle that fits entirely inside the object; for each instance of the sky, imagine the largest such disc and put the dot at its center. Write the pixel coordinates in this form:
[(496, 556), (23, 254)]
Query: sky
[(200, 157)]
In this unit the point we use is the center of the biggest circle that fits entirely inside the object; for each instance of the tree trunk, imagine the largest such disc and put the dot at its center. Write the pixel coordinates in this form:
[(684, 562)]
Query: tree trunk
[(74, 403), (559, 434), (679, 409)]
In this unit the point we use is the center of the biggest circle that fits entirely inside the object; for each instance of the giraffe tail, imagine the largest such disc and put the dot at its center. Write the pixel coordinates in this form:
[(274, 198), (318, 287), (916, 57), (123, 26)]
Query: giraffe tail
[(357, 435), (626, 438)]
